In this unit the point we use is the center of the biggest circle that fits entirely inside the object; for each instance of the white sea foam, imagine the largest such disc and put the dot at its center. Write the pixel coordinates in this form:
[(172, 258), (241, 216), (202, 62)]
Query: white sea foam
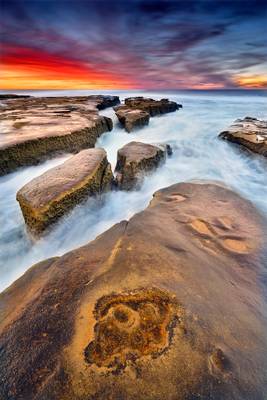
[(198, 154)]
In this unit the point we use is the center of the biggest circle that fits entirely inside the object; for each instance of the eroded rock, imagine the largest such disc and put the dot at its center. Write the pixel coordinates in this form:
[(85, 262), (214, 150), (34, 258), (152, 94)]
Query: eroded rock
[(153, 107), (137, 111), (34, 128), (131, 118), (134, 160), (49, 196), (251, 133), (160, 307)]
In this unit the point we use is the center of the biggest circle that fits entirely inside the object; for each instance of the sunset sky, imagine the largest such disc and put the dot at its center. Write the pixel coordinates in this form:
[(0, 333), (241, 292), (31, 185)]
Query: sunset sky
[(105, 44)]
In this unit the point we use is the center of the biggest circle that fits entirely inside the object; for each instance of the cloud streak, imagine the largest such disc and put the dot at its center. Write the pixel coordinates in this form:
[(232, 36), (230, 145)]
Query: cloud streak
[(134, 44)]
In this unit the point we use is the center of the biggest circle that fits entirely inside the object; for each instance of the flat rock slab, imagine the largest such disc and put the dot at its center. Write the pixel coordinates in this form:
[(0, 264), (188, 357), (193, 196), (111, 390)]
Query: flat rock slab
[(251, 133), (49, 196), (134, 160), (136, 111), (34, 128), (168, 305)]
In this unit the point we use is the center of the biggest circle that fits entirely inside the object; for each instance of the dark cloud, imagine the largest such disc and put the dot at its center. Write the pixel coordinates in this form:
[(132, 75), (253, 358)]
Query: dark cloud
[(148, 42)]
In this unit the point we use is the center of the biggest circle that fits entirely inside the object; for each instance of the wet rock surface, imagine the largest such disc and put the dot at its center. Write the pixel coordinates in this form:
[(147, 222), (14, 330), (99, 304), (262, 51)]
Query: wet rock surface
[(153, 107), (165, 306), (33, 129), (250, 133), (49, 196), (130, 118), (134, 160), (137, 111)]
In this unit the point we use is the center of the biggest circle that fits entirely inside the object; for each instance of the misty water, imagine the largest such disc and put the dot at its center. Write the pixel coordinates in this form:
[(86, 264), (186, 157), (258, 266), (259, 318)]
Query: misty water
[(197, 154)]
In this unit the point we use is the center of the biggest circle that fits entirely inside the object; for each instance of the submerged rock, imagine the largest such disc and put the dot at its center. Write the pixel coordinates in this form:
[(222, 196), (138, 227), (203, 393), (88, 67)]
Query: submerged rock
[(49, 196), (34, 129), (251, 133), (131, 118), (136, 111), (136, 158), (165, 306)]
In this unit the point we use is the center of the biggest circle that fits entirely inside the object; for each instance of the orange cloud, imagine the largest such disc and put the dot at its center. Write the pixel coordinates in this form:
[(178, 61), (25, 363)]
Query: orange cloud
[(24, 68), (251, 81)]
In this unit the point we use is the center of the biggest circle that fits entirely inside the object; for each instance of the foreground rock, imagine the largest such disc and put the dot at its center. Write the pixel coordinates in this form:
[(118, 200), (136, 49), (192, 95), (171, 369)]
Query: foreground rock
[(131, 118), (165, 306), (137, 111), (49, 196), (33, 129), (250, 133), (134, 160)]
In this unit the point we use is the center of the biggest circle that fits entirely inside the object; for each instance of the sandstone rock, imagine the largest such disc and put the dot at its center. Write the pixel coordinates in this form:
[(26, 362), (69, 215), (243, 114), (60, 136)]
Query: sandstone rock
[(134, 159), (136, 111), (47, 197), (131, 118), (251, 133), (166, 306), (33, 129), (153, 107)]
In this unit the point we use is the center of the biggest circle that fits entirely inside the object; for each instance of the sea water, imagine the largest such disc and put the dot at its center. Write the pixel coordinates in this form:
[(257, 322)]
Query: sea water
[(197, 154)]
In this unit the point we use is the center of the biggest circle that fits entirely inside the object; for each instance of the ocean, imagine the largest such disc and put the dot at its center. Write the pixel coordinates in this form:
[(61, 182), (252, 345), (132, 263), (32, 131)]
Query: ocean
[(198, 154)]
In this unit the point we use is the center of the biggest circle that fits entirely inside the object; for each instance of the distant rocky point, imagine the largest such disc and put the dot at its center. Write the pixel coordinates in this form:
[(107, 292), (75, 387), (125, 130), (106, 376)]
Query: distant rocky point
[(250, 133)]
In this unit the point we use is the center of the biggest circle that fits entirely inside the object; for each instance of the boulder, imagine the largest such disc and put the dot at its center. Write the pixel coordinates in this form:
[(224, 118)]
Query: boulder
[(33, 129), (49, 196), (136, 111), (168, 305), (134, 160), (131, 118), (250, 133), (153, 107)]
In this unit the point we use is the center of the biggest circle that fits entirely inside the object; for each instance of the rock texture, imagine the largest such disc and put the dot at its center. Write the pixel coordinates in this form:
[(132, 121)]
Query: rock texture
[(166, 306), (131, 118), (251, 133), (153, 107), (134, 159), (47, 197), (136, 111), (33, 129)]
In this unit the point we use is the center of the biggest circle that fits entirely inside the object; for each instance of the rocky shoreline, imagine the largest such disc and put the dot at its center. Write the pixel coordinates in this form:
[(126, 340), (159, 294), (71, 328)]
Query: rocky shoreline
[(34, 129), (166, 305)]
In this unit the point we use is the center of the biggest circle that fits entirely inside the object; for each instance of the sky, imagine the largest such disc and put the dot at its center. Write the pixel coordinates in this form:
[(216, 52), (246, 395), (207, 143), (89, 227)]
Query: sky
[(133, 44)]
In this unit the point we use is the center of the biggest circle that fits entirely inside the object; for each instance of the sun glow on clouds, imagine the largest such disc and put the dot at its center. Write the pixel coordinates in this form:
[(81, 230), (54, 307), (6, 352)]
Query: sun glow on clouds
[(25, 68), (151, 44), (252, 81)]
